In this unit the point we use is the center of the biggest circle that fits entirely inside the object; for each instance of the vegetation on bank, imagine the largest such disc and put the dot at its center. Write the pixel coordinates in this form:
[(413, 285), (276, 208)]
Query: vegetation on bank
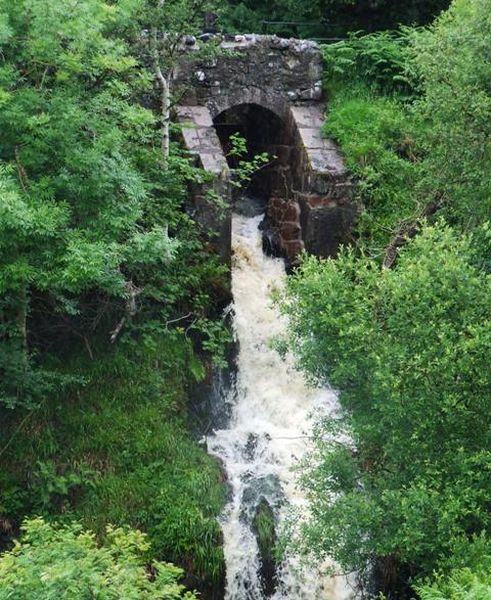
[(107, 286), (118, 450), (67, 562), (399, 322)]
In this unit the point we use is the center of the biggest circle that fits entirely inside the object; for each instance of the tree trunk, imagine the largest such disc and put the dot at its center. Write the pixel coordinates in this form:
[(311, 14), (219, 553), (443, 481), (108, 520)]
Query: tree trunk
[(21, 323), (165, 100), (165, 114)]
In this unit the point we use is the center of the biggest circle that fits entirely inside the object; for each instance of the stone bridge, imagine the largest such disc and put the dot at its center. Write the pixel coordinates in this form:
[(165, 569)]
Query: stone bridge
[(269, 90)]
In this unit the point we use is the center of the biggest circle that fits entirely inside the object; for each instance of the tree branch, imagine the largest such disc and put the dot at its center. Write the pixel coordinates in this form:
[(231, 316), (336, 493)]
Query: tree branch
[(406, 232)]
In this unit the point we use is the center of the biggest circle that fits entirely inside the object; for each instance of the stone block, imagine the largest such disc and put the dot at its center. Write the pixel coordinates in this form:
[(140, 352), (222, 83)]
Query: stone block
[(290, 231), (315, 201), (202, 116), (208, 140), (191, 138), (293, 248), (308, 116), (213, 162), (312, 138), (327, 161), (292, 211)]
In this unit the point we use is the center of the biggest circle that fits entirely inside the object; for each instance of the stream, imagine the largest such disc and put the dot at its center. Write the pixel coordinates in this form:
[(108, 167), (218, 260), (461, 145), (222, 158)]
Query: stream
[(268, 431)]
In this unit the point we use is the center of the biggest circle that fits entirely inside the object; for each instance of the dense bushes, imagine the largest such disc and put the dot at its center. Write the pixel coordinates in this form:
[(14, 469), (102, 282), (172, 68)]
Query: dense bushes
[(67, 563), (118, 450), (408, 349), (92, 228), (406, 346), (413, 118), (455, 109), (98, 260)]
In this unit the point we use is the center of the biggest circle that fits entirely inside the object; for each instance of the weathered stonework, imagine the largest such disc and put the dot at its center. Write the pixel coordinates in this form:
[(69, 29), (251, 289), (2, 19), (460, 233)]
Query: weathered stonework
[(270, 89)]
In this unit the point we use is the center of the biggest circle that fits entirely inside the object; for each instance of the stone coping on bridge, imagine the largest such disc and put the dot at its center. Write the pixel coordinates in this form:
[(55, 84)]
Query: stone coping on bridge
[(201, 139), (323, 155), (246, 40)]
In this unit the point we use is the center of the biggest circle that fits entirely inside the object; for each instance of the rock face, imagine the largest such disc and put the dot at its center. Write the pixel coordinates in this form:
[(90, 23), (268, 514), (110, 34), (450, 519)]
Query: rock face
[(269, 89)]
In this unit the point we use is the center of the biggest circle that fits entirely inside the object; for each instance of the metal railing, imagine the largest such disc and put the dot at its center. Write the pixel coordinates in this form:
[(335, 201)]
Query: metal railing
[(267, 25)]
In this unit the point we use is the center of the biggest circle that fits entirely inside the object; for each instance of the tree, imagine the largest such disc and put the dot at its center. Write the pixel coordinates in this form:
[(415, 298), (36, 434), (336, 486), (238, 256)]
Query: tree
[(166, 25), (327, 18), (66, 562), (455, 108), (90, 222), (407, 348)]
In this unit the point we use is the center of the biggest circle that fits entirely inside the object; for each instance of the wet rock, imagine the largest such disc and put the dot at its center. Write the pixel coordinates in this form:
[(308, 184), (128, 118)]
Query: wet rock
[(258, 489), (271, 239), (249, 206), (264, 528)]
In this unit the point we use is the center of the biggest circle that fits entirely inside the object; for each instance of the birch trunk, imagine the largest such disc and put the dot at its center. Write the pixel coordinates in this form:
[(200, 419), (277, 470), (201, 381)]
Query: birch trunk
[(165, 101)]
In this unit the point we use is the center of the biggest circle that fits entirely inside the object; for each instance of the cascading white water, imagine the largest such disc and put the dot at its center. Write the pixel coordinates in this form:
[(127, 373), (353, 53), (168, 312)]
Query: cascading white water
[(268, 430)]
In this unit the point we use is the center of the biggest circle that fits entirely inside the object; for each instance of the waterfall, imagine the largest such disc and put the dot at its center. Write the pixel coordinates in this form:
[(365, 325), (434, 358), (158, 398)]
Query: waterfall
[(268, 430)]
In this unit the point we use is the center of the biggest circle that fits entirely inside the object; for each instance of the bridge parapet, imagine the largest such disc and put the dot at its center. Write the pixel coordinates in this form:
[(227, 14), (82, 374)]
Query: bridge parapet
[(270, 71)]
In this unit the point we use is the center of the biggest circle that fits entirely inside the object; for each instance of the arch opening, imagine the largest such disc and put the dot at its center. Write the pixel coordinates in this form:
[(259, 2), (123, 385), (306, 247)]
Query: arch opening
[(263, 131)]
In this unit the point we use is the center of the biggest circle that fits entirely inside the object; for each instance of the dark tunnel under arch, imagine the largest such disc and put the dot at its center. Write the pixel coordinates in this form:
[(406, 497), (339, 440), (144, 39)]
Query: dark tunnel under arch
[(264, 131)]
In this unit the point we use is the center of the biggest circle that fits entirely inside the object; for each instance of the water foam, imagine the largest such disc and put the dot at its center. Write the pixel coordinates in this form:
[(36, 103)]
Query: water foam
[(269, 428)]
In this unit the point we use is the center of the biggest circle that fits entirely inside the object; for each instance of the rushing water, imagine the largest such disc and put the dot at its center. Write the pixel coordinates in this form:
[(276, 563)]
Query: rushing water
[(268, 429)]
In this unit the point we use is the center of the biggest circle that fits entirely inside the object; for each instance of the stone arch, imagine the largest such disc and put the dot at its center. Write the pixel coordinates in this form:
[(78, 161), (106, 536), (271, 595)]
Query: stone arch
[(308, 191), (250, 95), (265, 132)]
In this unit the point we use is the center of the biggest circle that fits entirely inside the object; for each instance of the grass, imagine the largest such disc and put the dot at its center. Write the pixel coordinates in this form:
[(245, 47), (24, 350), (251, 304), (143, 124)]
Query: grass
[(378, 137), (118, 450)]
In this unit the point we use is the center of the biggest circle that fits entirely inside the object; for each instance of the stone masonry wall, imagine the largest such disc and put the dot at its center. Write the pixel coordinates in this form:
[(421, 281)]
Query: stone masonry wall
[(310, 202)]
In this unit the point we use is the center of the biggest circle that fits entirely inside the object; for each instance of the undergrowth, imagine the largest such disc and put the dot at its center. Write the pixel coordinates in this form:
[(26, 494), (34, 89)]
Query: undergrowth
[(378, 137), (117, 450), (371, 88)]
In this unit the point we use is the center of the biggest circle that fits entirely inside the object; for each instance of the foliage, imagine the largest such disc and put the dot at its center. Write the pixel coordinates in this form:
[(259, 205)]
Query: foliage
[(408, 350), (380, 60), (413, 120), (66, 562), (264, 527), (371, 80), (466, 583), (462, 585), (245, 168), (406, 347), (50, 485), (106, 286), (326, 18), (452, 62), (92, 228), (380, 142), (119, 451)]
